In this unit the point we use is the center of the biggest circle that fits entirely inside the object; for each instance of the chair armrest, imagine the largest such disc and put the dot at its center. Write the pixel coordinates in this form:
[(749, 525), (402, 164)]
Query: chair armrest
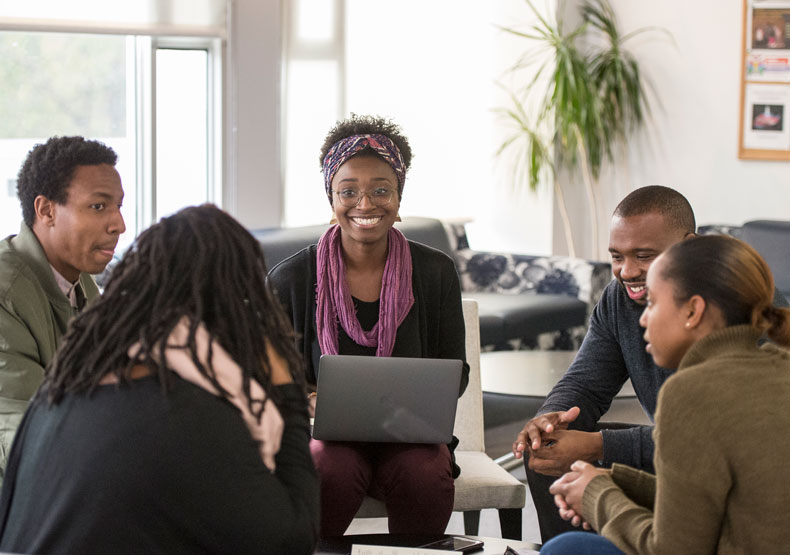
[(526, 274), (456, 234)]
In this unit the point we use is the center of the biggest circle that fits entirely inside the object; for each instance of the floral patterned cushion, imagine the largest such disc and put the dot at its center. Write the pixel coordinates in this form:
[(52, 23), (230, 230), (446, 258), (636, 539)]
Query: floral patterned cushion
[(525, 274)]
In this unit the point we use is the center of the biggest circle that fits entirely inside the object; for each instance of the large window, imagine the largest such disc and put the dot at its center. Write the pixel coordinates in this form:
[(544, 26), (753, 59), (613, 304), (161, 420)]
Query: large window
[(182, 130), (63, 84), (314, 100), (154, 100)]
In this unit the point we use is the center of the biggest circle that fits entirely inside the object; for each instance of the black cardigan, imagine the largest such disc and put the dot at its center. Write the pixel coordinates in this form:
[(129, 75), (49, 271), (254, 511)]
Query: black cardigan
[(434, 327)]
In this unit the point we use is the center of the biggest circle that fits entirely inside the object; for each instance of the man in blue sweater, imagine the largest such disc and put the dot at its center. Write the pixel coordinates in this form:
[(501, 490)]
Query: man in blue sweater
[(644, 224)]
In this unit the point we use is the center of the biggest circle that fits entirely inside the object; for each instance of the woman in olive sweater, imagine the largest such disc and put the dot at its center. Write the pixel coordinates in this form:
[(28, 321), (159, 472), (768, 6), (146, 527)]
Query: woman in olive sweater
[(721, 422)]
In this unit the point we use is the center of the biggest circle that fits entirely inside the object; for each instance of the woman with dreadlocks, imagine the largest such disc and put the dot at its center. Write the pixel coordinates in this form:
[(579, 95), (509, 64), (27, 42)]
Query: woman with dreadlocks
[(366, 290), (174, 417)]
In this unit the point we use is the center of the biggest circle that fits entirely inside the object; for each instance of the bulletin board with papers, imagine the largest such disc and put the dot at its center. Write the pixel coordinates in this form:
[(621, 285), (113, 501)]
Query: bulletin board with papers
[(765, 81)]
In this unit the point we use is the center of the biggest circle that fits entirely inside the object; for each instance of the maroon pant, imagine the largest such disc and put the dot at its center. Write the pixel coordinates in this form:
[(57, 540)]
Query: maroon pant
[(414, 481)]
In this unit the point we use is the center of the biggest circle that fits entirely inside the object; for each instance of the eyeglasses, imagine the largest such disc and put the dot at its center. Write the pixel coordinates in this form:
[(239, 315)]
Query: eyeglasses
[(380, 196)]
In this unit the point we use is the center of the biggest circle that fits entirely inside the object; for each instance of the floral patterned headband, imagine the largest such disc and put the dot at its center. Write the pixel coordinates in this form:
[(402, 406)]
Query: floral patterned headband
[(348, 147)]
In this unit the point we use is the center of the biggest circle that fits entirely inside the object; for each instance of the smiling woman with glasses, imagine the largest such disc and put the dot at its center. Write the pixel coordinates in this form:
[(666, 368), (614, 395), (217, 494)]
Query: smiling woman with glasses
[(366, 290)]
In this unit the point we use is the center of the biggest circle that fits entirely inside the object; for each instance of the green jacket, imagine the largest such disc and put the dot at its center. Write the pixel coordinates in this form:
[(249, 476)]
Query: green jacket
[(721, 450), (34, 315)]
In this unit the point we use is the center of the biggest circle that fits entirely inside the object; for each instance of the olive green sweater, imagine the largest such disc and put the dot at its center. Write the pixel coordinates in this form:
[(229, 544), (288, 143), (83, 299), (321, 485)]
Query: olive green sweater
[(34, 315), (721, 458)]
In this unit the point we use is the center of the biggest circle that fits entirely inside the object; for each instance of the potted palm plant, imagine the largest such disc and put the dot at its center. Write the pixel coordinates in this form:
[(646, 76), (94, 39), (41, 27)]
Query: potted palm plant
[(585, 97)]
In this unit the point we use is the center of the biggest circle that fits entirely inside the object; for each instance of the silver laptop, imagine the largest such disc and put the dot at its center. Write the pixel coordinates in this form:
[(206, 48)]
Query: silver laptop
[(386, 399)]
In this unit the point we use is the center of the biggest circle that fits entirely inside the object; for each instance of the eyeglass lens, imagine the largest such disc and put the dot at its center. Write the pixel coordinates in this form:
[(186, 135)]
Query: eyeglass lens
[(379, 196)]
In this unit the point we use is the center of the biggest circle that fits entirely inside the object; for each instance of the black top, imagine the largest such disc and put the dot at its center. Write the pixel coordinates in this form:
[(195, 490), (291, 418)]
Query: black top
[(434, 327), (367, 315), (134, 470)]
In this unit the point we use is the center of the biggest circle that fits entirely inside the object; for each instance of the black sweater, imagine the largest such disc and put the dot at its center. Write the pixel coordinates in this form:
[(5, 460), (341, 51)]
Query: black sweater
[(133, 470)]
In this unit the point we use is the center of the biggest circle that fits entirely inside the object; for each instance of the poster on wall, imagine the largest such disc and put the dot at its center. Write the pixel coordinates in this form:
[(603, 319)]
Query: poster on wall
[(765, 81), (766, 113), (770, 28), (768, 67)]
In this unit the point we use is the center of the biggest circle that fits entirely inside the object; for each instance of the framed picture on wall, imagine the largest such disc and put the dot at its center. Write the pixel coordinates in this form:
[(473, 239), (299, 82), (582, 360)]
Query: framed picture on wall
[(766, 113), (770, 28), (768, 67), (765, 81)]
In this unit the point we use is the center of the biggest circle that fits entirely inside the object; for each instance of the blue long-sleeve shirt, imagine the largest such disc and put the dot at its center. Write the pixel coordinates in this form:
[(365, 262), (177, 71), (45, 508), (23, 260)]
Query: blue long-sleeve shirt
[(612, 351)]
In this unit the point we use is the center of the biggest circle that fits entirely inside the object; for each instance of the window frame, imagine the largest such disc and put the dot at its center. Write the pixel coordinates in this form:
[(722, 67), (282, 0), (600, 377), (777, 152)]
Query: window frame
[(145, 125)]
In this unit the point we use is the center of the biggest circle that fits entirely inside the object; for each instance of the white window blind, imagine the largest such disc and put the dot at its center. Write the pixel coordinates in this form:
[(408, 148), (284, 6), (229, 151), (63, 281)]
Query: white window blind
[(196, 18)]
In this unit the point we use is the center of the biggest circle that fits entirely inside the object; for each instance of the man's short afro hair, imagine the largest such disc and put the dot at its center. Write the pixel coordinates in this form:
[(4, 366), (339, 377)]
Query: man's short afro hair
[(367, 125), (49, 167), (660, 200)]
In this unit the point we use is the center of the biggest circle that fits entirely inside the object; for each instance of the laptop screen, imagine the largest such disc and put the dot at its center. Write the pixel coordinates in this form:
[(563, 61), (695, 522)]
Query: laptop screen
[(386, 399)]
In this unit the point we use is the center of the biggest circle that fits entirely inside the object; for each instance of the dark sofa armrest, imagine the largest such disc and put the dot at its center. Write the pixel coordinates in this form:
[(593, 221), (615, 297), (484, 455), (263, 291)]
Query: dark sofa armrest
[(721, 229)]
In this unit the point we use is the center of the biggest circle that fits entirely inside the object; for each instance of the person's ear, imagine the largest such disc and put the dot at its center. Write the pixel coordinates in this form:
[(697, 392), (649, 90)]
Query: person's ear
[(45, 210), (695, 308), (689, 235)]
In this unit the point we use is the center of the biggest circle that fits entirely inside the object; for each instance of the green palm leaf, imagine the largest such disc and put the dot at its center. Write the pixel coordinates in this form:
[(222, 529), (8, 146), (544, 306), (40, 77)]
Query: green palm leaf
[(583, 102)]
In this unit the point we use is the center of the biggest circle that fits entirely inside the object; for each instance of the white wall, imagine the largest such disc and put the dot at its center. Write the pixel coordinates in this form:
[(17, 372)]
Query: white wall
[(253, 183), (695, 129), (694, 132), (442, 93), (435, 73)]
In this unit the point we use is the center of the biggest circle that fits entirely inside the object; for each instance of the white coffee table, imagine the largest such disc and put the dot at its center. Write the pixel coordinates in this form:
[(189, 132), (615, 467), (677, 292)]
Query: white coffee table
[(342, 545), (528, 373)]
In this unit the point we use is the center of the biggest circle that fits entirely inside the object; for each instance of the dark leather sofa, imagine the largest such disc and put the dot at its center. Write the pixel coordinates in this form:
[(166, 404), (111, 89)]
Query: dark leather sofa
[(771, 238), (524, 301)]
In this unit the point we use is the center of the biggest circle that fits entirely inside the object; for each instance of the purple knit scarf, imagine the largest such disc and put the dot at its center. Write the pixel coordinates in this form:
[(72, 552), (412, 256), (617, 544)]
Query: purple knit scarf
[(333, 300)]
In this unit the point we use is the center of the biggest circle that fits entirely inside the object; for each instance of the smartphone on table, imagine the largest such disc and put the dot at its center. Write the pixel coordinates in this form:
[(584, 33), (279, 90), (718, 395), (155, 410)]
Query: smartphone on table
[(456, 543)]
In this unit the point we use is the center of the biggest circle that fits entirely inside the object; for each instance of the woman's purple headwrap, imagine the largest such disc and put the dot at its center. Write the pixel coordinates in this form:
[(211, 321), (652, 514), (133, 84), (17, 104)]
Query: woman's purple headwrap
[(348, 147)]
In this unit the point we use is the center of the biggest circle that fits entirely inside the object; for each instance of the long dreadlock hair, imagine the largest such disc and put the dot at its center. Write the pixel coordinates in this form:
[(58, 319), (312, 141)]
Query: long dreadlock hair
[(200, 264)]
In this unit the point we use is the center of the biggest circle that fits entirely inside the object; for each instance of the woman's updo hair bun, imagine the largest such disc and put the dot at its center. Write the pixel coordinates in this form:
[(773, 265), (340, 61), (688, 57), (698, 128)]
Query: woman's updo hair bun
[(731, 275), (773, 322)]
